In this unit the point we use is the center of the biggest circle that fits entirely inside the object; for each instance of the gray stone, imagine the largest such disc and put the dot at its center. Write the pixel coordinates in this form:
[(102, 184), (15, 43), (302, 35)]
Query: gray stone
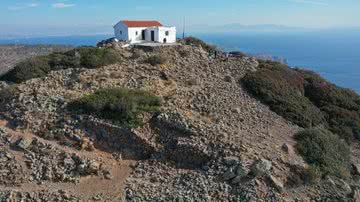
[(69, 162), (24, 143), (356, 195), (228, 78), (81, 168), (93, 167), (108, 175), (356, 168), (236, 110), (286, 148), (344, 186), (260, 167), (231, 160), (240, 171), (277, 183), (3, 85), (236, 180), (2, 131), (229, 174)]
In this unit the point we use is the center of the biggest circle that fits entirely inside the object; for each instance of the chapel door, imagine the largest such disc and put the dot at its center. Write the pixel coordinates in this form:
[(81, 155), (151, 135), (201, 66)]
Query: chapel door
[(152, 35), (143, 35)]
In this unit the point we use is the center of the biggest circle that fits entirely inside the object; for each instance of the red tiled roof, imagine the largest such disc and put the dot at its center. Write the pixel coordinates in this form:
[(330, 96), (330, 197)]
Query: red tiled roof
[(142, 23)]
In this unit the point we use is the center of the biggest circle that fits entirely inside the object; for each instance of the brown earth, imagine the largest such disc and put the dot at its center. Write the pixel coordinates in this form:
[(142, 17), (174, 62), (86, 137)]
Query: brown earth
[(91, 188)]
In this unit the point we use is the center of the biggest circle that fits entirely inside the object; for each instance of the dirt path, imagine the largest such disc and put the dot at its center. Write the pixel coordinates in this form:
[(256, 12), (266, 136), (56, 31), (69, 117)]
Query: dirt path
[(89, 188)]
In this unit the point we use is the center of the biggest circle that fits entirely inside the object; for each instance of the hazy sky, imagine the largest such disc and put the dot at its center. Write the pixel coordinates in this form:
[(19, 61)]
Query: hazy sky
[(301, 13)]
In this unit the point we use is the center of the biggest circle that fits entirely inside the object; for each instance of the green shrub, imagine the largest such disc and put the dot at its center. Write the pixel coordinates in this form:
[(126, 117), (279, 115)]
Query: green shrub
[(92, 57), (7, 94), (86, 57), (198, 42), (324, 93), (59, 61), (324, 151), (282, 89), (305, 98), (313, 174), (28, 69), (156, 60), (341, 106), (118, 104)]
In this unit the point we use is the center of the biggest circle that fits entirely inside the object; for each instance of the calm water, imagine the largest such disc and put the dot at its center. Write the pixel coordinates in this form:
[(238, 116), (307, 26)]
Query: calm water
[(335, 55)]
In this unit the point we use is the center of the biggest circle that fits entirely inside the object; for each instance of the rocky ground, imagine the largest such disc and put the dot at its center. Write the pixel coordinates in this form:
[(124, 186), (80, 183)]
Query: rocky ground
[(12, 54), (211, 141)]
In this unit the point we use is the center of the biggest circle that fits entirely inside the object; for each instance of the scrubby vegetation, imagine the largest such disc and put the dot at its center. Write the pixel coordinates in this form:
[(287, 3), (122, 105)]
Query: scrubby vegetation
[(305, 98), (7, 94), (282, 89), (118, 104), (86, 57), (340, 106), (28, 69), (156, 60), (326, 153), (198, 42)]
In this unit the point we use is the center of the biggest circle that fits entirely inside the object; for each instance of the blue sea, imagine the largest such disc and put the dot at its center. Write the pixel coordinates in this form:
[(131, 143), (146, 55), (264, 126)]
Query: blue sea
[(333, 54)]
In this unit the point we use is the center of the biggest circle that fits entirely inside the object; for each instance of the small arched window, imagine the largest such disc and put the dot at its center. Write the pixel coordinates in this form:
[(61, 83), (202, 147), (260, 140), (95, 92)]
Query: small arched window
[(136, 33), (167, 33), (120, 32)]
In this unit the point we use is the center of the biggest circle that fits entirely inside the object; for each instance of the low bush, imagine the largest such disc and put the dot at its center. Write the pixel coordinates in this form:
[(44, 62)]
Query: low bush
[(7, 94), (305, 98), (341, 106), (313, 174), (92, 57), (86, 57), (118, 104), (282, 89), (156, 60), (28, 69), (324, 151), (59, 61), (198, 42)]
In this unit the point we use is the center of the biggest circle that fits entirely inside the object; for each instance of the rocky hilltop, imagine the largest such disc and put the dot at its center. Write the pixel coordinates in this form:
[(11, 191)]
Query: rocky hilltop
[(209, 141)]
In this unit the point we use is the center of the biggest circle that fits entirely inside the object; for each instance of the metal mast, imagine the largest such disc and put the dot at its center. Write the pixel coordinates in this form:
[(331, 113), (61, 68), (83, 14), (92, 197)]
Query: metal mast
[(184, 28)]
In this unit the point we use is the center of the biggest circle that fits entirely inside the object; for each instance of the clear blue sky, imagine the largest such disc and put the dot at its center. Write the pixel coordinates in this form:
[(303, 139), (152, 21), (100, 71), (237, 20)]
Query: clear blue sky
[(301, 13)]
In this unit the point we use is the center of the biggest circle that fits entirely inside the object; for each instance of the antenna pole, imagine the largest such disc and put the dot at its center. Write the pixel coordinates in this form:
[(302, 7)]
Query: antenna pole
[(184, 28)]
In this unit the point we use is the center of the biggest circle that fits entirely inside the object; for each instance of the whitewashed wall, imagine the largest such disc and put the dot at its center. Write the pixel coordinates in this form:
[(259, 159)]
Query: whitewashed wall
[(134, 34), (171, 38), (121, 27), (133, 37), (156, 31)]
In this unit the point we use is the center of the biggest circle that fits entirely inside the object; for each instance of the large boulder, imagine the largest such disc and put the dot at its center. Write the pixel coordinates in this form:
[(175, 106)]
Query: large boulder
[(3, 85), (231, 160), (356, 168), (260, 167), (229, 174), (24, 143), (356, 195), (277, 183)]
